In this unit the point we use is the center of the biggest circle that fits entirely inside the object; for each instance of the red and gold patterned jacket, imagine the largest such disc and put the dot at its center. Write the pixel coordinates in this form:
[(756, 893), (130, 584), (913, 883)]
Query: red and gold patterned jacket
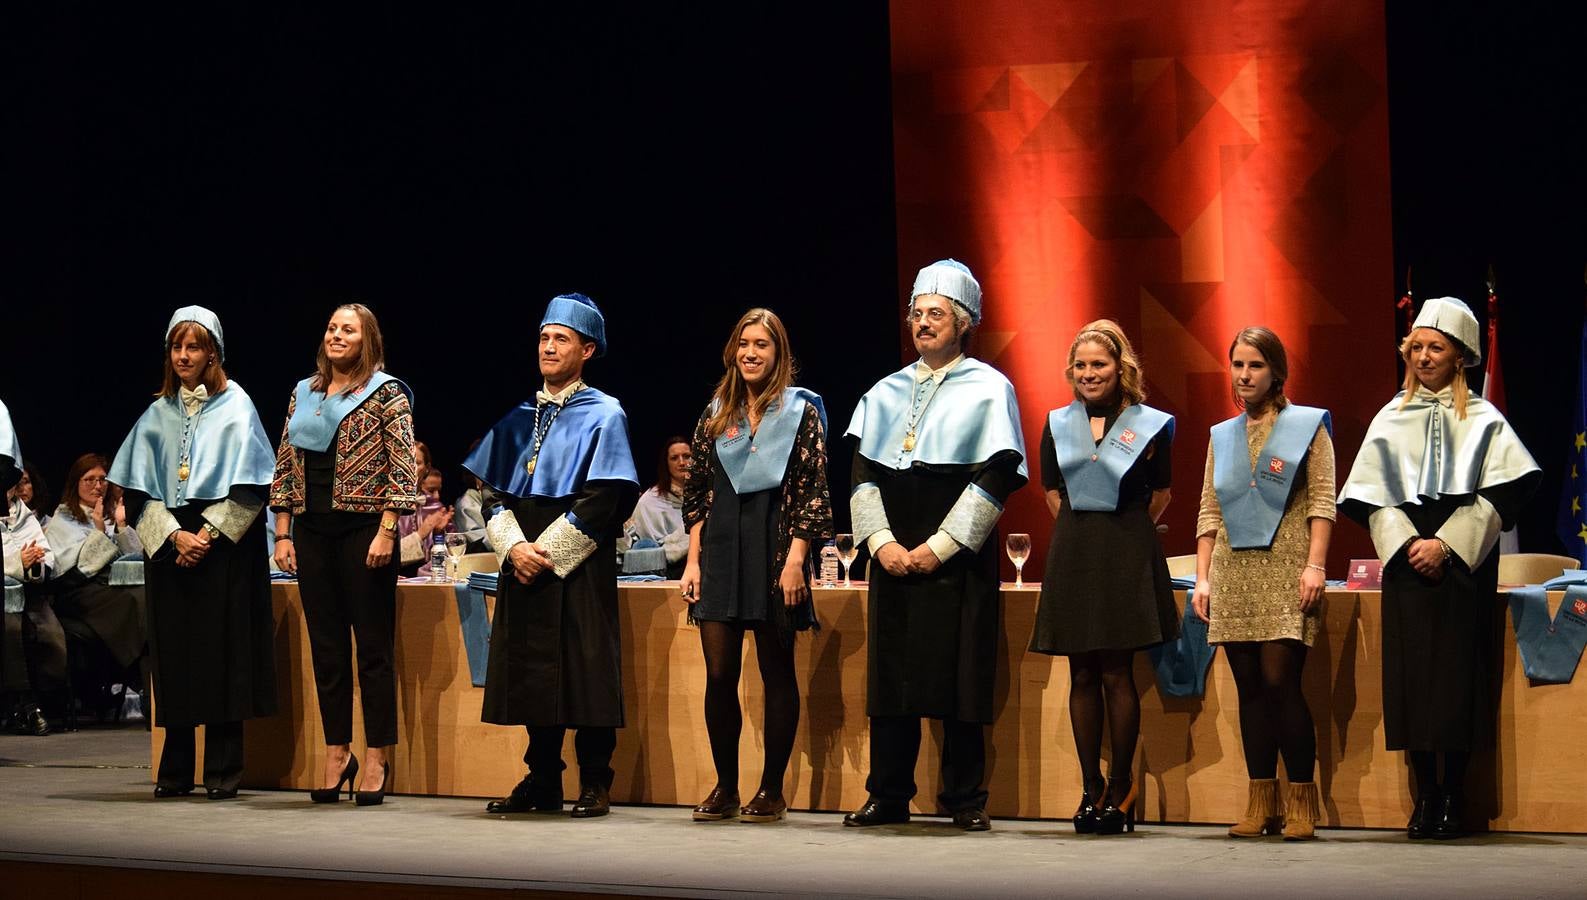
[(376, 469)]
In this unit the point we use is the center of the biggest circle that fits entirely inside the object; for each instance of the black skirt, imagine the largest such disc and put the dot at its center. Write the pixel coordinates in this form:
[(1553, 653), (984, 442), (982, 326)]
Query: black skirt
[(1106, 586), (738, 548)]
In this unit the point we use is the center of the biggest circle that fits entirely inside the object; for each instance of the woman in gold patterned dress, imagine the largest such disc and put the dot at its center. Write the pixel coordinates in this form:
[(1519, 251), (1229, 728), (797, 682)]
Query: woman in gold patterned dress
[(1267, 512)]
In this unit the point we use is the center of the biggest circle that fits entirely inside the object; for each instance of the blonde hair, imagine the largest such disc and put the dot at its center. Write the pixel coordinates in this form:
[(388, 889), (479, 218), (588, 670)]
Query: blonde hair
[(1107, 334), (731, 396), (1458, 386)]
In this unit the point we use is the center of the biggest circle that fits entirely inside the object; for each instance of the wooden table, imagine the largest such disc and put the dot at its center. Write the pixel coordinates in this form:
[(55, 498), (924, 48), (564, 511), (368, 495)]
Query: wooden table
[(1190, 761)]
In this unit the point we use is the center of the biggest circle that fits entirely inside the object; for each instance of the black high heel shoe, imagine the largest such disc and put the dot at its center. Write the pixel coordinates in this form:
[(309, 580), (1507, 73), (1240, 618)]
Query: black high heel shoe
[(1116, 819), (1085, 818), (333, 794), (375, 798)]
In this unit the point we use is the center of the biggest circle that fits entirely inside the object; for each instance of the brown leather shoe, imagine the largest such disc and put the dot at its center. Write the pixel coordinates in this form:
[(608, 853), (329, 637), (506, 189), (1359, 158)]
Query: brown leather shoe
[(764, 808), (593, 801), (972, 820), (716, 806)]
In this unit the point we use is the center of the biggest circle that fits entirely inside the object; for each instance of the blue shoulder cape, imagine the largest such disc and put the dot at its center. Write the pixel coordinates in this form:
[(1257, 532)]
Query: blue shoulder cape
[(8, 438), (972, 417), (228, 447), (1253, 499), (315, 419), (588, 441), (759, 463), (1093, 472)]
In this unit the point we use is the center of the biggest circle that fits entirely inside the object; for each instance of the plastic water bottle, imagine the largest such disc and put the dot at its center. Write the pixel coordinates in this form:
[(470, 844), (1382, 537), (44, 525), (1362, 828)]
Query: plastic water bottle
[(829, 565), (438, 562)]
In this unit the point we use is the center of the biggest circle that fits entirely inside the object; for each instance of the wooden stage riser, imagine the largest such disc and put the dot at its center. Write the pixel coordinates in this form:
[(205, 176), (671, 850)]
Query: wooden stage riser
[(1190, 761)]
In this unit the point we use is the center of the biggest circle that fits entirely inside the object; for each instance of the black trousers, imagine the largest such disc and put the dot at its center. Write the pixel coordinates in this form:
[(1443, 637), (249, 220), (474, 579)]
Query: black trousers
[(895, 745), (592, 746), (222, 756), (343, 598)]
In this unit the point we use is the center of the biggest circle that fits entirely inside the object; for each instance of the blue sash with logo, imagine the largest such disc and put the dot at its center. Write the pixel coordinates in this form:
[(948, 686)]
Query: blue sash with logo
[(1092, 472), (1253, 500), (757, 463), (315, 418), (1550, 648)]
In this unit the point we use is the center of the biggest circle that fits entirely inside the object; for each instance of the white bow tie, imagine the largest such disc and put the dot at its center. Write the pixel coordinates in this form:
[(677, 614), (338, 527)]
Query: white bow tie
[(192, 400)]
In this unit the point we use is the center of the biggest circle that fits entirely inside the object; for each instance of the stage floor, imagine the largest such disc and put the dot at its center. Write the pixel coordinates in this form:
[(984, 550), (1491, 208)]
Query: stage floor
[(85, 799)]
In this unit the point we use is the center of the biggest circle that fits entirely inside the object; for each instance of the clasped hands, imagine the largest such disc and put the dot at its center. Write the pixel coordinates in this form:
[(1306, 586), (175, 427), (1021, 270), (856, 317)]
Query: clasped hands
[(191, 547), (898, 562), (1428, 556), (528, 560)]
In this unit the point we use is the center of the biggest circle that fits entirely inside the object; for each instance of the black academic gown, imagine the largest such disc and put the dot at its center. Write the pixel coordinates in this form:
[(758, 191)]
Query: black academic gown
[(555, 652), (933, 638), (211, 627)]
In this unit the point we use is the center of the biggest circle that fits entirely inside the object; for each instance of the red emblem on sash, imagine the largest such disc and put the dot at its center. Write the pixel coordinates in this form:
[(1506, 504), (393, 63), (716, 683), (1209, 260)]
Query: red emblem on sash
[(732, 432), (1276, 466), (1127, 436), (1581, 607)]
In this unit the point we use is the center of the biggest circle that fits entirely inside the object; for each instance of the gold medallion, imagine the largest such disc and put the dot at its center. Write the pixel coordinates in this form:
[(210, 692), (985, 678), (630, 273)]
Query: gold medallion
[(531, 464), (909, 442), (182, 471)]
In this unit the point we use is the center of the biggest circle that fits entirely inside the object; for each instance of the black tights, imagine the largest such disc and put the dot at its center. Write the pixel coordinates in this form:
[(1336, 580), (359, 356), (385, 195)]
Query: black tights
[(1424, 763), (1274, 717), (723, 643), (1091, 676)]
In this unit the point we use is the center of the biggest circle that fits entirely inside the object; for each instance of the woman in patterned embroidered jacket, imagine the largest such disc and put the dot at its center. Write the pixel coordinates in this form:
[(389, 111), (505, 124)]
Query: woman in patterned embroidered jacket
[(195, 469), (345, 471), (755, 500), (1267, 512)]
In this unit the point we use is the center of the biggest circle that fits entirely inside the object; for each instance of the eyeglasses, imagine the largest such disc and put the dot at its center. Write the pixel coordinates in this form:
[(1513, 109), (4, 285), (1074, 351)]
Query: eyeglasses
[(93, 479), (935, 316)]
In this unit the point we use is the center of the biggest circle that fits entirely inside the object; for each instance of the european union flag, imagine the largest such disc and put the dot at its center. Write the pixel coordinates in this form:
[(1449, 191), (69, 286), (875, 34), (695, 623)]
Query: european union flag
[(1572, 523)]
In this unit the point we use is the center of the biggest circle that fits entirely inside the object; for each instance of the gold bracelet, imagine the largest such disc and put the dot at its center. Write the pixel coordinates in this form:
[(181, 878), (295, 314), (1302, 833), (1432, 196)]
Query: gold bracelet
[(1317, 567)]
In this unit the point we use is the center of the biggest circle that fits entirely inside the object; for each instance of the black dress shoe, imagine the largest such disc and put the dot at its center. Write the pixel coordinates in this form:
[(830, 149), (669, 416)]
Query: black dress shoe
[(221, 793), (874, 813), (1449, 819), (594, 800), (528, 797), (972, 820), (28, 720), (162, 792), (716, 806), (1422, 817)]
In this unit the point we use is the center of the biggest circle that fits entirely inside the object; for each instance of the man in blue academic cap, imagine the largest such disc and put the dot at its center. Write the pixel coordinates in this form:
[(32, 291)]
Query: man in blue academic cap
[(559, 473)]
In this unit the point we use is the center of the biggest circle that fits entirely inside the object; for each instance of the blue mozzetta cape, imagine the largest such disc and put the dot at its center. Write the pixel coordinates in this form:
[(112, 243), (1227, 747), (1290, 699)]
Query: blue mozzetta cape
[(1092, 472), (228, 447), (8, 438), (972, 417), (315, 419), (1253, 500), (759, 463), (587, 442)]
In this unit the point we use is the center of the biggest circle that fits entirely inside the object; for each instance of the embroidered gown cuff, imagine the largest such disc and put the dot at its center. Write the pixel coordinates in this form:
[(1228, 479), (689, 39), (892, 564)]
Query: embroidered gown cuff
[(98, 552), (1472, 531), (566, 544), (504, 534), (972, 518), (943, 545), (1391, 528), (232, 516), (868, 515), (155, 527)]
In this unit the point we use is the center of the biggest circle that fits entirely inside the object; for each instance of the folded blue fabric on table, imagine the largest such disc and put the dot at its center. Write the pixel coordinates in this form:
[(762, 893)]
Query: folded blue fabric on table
[(640, 578), (16, 600), (475, 624), (1550, 647), (484, 581), (1181, 664)]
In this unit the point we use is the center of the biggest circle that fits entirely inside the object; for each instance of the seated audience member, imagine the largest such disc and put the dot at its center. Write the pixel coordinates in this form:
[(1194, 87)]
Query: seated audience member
[(34, 491), (88, 532), (659, 514), (28, 560), (468, 515), (418, 529)]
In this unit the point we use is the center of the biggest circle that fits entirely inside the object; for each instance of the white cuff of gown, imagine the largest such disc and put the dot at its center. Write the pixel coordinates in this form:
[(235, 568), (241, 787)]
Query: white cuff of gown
[(155, 527), (879, 540), (1391, 528), (1472, 531), (567, 545), (942, 544), (233, 516), (504, 534)]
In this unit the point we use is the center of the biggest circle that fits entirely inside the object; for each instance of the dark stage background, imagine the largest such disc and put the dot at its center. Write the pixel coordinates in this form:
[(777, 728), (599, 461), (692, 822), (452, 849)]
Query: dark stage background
[(456, 167)]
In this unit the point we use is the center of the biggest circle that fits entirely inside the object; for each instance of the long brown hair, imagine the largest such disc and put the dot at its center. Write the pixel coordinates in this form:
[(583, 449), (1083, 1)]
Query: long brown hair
[(72, 501), (1107, 334), (1265, 342), (371, 353), (663, 471), (1458, 387), (732, 394), (213, 377)]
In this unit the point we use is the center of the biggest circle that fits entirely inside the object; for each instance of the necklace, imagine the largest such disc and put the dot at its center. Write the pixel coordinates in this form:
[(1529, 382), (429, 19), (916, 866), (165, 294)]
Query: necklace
[(183, 468), (551, 416), (917, 410)]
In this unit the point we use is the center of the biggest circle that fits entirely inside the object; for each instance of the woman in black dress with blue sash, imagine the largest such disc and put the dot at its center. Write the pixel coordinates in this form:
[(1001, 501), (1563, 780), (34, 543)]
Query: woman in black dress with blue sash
[(1105, 464), (755, 502)]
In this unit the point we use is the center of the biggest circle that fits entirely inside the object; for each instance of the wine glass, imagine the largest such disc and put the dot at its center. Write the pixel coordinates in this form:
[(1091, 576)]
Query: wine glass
[(456, 543), (846, 553), (1018, 546)]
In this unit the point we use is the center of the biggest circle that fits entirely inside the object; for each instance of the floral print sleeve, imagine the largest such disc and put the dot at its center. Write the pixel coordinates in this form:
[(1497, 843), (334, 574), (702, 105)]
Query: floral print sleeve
[(697, 489), (807, 498)]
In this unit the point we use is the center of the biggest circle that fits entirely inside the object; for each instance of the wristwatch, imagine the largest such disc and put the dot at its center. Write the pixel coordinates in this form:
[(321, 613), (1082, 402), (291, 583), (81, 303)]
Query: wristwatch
[(212, 531)]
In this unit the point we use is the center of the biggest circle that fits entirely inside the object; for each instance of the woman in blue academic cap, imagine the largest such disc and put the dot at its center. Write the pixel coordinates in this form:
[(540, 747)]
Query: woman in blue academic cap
[(1439, 475), (344, 472), (755, 502), (1267, 512), (196, 469), (1106, 466)]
